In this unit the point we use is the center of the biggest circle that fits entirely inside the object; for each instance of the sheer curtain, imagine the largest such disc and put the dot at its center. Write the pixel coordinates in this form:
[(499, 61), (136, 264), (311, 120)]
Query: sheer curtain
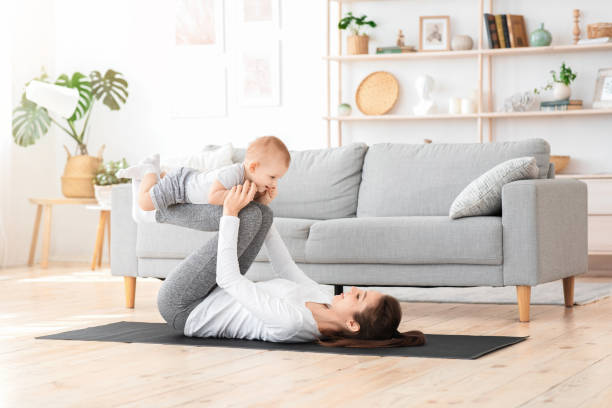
[(6, 33)]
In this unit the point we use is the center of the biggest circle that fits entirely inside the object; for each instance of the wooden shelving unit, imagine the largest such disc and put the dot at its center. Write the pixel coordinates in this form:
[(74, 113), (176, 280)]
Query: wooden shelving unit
[(480, 53)]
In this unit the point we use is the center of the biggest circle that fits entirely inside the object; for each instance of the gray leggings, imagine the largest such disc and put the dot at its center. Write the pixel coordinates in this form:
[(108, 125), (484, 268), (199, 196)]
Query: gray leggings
[(195, 277)]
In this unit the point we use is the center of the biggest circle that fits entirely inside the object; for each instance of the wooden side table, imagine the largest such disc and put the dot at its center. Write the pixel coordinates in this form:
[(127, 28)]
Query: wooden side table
[(47, 204), (103, 224)]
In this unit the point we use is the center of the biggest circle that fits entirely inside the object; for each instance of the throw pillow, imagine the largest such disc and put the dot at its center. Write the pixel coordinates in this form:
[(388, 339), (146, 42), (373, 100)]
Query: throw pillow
[(209, 158), (483, 195)]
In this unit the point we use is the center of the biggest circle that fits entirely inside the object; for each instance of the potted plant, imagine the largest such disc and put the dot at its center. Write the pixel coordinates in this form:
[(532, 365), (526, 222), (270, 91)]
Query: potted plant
[(357, 43), (31, 121), (105, 178), (561, 89)]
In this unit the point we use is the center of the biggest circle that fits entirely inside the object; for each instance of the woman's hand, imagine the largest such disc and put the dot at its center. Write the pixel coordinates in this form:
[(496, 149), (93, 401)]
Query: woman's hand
[(267, 196), (238, 197)]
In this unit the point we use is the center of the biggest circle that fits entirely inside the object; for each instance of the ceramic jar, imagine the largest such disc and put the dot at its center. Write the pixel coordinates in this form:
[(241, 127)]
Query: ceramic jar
[(561, 91), (540, 37), (462, 42)]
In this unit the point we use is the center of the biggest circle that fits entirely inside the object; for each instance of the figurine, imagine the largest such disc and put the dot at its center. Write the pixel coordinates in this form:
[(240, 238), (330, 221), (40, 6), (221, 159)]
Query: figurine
[(400, 39), (424, 85)]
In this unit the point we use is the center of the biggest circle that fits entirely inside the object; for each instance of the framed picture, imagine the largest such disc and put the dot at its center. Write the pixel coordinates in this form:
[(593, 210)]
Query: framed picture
[(262, 12), (434, 33), (258, 74), (200, 23), (603, 89)]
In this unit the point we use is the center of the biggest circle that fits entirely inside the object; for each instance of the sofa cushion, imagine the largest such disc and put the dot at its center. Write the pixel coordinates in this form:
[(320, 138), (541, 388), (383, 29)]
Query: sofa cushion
[(320, 184), (483, 196), (424, 179), (406, 240), (169, 241)]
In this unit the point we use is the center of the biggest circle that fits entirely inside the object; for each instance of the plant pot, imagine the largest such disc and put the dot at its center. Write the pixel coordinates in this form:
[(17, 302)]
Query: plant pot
[(104, 195), (357, 44), (561, 91), (78, 175)]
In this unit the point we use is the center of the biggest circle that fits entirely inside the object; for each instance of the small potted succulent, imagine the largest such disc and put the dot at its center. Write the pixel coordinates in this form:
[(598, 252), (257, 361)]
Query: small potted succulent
[(357, 43), (105, 178)]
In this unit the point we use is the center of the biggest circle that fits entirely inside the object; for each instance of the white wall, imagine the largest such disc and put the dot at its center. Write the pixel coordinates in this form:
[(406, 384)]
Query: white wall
[(136, 38)]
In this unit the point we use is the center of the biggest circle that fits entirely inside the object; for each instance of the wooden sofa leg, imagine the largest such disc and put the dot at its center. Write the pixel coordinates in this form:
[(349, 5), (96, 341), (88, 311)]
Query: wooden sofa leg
[(523, 294), (568, 291), (129, 283)]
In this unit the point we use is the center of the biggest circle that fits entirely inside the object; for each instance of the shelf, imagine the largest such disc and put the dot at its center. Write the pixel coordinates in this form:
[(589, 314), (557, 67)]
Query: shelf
[(487, 115), (585, 176), (577, 112), (399, 117), (552, 49)]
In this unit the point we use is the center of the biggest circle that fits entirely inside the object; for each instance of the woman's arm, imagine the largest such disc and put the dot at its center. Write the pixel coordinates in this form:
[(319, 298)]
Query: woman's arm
[(281, 259), (274, 312)]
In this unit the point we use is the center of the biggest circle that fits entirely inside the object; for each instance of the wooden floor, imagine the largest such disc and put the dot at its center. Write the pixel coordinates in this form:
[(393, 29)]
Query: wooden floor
[(566, 362)]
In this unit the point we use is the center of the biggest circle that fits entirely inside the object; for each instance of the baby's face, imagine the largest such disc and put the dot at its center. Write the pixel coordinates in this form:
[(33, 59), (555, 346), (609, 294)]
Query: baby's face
[(267, 174)]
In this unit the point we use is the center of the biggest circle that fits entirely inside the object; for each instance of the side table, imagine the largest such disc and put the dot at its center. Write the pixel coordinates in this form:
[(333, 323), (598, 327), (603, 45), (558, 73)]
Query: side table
[(103, 224), (47, 204)]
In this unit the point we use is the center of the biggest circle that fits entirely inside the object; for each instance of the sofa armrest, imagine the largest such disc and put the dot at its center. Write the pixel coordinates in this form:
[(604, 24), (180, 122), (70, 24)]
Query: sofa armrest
[(124, 261), (545, 228)]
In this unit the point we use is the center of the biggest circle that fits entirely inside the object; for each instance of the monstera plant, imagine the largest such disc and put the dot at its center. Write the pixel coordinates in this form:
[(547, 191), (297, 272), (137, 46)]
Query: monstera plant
[(31, 121)]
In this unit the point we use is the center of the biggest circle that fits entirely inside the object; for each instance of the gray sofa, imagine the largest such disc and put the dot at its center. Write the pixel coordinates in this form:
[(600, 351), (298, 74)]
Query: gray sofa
[(378, 216)]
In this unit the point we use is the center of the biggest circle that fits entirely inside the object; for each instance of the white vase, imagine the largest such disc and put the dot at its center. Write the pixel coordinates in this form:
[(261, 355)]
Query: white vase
[(104, 195), (462, 42), (561, 91)]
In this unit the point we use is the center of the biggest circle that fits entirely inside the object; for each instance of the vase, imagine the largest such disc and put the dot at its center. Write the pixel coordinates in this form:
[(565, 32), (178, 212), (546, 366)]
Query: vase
[(344, 109), (540, 37), (357, 44), (462, 42), (561, 91), (77, 180), (104, 195)]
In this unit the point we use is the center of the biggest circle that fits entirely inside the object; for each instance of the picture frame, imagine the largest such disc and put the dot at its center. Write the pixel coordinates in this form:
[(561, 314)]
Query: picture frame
[(200, 23), (602, 98), (265, 13), (434, 33), (258, 74)]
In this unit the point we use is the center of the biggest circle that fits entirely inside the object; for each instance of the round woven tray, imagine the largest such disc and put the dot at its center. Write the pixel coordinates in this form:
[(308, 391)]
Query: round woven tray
[(377, 93)]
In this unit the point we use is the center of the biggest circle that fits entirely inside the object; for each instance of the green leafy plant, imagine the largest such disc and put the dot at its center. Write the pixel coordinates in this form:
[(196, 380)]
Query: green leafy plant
[(566, 76), (354, 24), (31, 121), (107, 173)]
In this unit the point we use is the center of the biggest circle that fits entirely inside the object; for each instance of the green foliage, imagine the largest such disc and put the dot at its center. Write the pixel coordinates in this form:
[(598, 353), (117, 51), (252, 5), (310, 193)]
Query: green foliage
[(354, 24), (566, 76), (107, 173), (31, 122)]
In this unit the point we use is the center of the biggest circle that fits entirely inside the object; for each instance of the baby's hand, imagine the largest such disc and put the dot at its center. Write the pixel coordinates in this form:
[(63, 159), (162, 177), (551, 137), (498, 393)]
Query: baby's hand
[(267, 196)]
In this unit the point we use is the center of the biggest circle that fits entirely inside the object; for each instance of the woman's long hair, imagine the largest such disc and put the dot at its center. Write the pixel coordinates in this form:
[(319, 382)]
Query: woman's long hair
[(377, 328)]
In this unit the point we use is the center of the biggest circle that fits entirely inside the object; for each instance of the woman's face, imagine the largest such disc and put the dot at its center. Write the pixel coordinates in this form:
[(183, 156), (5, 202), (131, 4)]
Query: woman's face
[(347, 304)]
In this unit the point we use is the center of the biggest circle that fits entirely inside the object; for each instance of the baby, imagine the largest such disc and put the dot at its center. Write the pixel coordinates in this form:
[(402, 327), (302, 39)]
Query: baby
[(266, 161)]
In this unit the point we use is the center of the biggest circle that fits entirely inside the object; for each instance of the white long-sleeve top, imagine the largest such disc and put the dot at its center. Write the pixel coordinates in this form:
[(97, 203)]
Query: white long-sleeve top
[(273, 310)]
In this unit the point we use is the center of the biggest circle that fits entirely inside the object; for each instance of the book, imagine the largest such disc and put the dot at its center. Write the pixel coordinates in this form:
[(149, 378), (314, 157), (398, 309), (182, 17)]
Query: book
[(394, 50), (491, 29), (574, 107), (600, 40), (560, 102), (505, 29), (500, 31), (517, 31), (574, 102)]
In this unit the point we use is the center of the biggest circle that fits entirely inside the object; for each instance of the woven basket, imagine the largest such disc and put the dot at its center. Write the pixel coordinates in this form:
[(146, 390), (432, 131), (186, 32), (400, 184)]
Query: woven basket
[(357, 44), (78, 175), (598, 30), (377, 93)]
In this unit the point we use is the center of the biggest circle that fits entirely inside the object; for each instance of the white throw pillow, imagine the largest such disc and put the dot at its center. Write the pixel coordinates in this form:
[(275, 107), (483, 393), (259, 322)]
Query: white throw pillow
[(207, 159), (483, 195)]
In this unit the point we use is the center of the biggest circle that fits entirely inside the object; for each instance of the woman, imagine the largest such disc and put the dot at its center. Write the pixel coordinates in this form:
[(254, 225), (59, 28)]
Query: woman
[(208, 296)]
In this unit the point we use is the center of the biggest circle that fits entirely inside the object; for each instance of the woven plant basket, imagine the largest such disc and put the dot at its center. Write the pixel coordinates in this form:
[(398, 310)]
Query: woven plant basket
[(79, 173), (357, 44)]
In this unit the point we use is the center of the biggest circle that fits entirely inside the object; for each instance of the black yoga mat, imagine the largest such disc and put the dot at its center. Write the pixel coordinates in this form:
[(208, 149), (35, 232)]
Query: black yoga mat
[(438, 345)]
